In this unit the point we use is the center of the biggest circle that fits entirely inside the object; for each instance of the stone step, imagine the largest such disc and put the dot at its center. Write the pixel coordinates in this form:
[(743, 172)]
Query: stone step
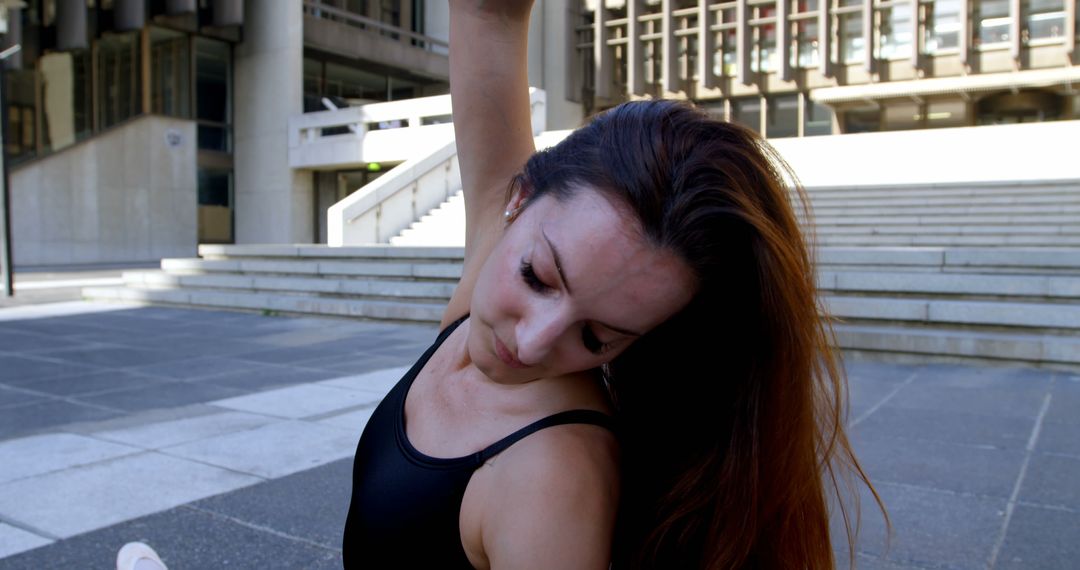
[(937, 209), (951, 241), (371, 288), (971, 191), (908, 344), (1047, 229), (283, 304), (317, 251), (345, 268), (1045, 287), (1034, 315), (890, 200), (885, 219)]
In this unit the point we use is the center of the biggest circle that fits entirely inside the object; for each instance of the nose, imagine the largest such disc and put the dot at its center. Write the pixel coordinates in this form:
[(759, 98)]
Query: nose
[(537, 336)]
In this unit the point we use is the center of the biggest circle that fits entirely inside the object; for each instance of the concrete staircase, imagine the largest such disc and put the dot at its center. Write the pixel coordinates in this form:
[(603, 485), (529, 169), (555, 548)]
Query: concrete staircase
[(444, 225), (410, 284), (1043, 214), (967, 272)]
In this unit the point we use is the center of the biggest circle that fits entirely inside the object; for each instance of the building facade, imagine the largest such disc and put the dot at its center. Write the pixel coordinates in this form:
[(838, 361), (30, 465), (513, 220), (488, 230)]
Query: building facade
[(137, 129), (816, 67)]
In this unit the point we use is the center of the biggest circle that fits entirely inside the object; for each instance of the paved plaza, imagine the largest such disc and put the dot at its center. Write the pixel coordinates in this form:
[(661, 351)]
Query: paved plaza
[(224, 439)]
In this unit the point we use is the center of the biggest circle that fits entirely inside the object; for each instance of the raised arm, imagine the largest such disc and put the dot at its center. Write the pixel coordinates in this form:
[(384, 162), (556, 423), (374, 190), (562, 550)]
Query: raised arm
[(489, 88)]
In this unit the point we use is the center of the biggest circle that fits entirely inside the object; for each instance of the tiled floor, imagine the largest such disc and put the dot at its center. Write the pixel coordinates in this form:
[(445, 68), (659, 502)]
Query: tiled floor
[(238, 452)]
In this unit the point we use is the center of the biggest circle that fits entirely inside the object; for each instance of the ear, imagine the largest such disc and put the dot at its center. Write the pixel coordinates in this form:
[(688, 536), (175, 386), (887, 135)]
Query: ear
[(519, 196)]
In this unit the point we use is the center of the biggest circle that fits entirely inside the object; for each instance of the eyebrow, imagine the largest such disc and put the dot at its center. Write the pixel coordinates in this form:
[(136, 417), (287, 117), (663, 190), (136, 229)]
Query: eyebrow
[(558, 267)]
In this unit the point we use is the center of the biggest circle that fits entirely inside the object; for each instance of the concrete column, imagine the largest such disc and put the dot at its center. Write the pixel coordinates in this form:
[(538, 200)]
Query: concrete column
[(274, 203), (551, 52)]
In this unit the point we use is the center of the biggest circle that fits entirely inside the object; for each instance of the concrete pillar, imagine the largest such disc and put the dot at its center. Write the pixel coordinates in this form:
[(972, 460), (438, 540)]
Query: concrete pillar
[(551, 47), (274, 203)]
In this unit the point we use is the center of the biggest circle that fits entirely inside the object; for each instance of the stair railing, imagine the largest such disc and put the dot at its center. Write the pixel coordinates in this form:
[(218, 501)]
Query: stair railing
[(427, 177)]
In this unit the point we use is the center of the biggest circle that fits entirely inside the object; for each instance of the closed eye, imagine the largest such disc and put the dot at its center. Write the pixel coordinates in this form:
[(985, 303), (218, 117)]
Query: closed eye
[(531, 279)]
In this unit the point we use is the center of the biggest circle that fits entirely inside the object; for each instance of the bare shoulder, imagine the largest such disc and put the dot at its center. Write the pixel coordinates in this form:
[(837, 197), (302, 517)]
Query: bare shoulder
[(552, 500)]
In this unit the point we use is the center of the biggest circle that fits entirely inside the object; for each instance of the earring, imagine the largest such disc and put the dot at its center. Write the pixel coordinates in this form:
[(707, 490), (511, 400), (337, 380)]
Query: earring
[(509, 215)]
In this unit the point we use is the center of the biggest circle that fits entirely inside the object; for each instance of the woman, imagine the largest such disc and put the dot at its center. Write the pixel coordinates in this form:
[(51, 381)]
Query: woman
[(632, 368)]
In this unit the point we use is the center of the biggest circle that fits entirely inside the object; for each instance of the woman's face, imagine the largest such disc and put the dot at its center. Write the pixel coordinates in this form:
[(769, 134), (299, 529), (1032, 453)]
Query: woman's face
[(569, 286)]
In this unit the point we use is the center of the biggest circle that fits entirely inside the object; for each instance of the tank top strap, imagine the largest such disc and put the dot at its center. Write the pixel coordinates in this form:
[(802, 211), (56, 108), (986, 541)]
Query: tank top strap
[(592, 417)]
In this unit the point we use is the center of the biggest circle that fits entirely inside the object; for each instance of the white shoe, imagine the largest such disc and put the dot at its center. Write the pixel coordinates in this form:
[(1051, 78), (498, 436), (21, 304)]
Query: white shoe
[(138, 556)]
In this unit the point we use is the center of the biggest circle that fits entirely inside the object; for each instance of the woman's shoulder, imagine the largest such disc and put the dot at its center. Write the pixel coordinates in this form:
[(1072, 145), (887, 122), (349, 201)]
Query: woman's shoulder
[(552, 498)]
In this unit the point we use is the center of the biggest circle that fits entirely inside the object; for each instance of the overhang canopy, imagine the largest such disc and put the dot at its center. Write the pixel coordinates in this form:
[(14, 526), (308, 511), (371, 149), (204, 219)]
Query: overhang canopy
[(945, 85)]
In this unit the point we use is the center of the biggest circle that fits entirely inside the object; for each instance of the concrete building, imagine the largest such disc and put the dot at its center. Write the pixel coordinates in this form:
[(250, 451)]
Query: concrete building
[(137, 129), (816, 67)]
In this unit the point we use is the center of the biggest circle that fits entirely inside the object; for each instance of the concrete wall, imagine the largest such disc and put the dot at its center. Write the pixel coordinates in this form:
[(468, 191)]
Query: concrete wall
[(999, 153), (551, 44), (126, 195), (274, 204)]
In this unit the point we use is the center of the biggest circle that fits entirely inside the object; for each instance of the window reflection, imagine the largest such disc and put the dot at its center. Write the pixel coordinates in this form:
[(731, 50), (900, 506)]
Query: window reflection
[(65, 96), (170, 73), (119, 94), (895, 32), (1043, 19), (942, 31), (993, 22)]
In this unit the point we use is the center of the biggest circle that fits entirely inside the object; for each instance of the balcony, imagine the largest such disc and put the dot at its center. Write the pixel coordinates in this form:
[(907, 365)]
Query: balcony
[(355, 36)]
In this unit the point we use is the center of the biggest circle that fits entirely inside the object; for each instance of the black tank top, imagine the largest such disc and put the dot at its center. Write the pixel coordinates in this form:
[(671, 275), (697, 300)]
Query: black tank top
[(405, 505)]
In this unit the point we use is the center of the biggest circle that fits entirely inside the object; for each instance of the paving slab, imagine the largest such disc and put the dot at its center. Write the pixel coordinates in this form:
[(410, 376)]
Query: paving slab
[(14, 540), (932, 529), (161, 394), (1052, 480), (37, 416), (73, 501), (987, 471), (1041, 538), (297, 402), (918, 425), (94, 383), (262, 377), (18, 370), (379, 382), (160, 434), (185, 538), (272, 451), (36, 455), (317, 501)]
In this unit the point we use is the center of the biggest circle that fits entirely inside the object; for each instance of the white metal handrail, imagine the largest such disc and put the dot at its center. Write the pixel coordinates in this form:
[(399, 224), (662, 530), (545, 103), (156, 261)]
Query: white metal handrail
[(383, 207)]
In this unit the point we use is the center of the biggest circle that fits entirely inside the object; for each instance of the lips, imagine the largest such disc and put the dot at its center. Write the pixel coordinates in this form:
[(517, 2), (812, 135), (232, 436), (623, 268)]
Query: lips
[(506, 356)]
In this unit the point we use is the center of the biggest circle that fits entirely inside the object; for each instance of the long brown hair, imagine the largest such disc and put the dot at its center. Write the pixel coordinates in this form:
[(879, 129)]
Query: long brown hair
[(732, 412)]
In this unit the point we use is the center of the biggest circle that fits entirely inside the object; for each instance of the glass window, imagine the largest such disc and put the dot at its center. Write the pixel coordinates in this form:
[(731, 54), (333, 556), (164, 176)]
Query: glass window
[(862, 120), (354, 86), (747, 112), (783, 117), (895, 32), (65, 96), (170, 76), (215, 206), (946, 113), (1043, 19), (763, 54), (942, 31), (804, 33), (992, 20), (119, 85), (727, 58), (817, 119), (851, 44), (901, 116), (213, 110)]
